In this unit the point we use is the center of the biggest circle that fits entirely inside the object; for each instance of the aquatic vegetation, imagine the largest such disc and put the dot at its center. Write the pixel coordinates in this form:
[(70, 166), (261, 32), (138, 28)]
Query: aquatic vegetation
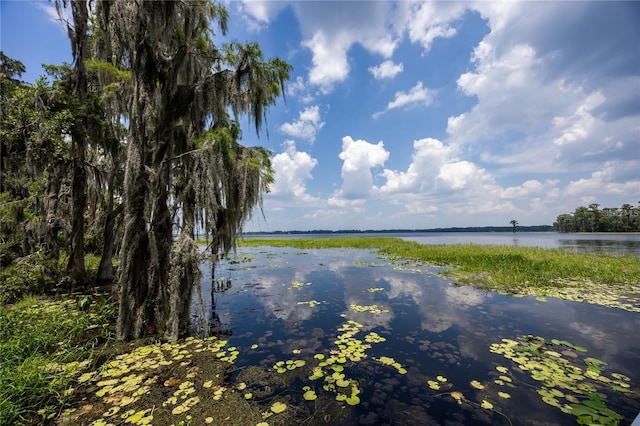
[(310, 303), (372, 309), (486, 404), (370, 264), (288, 365), (331, 367), (298, 284), (457, 396), (606, 280), (374, 337), (476, 384), (562, 379), (309, 394), (392, 362), (278, 407), (433, 384), (620, 296)]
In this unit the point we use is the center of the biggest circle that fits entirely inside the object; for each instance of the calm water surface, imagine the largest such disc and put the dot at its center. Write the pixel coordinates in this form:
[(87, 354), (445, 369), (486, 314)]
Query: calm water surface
[(432, 328)]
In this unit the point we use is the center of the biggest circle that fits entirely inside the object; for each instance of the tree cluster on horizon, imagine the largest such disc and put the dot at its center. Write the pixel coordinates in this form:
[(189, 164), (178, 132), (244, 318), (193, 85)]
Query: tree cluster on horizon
[(136, 142), (593, 219)]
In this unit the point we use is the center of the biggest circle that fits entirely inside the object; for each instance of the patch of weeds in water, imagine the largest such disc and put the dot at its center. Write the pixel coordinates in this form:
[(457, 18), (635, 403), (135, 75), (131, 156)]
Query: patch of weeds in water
[(385, 360), (298, 285), (561, 378), (333, 367), (245, 258), (310, 303), (620, 296), (372, 309), (369, 264)]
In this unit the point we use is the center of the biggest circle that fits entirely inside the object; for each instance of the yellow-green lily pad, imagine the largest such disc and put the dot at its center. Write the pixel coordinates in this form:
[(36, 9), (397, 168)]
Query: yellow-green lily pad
[(278, 407), (486, 404), (310, 395)]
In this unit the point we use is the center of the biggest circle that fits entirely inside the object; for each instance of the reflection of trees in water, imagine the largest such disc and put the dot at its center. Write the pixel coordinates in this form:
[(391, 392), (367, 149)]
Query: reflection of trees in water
[(608, 246)]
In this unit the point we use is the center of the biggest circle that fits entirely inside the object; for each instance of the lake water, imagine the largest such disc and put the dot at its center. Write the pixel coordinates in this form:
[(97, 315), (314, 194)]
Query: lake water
[(398, 344), (613, 243)]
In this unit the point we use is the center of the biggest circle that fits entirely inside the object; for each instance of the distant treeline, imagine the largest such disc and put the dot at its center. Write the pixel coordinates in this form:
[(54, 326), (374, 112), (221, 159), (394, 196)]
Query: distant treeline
[(536, 228), (593, 219)]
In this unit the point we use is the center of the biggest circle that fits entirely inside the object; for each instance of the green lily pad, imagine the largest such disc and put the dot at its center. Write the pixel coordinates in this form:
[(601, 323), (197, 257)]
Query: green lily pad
[(278, 407), (476, 384), (486, 404), (353, 400), (310, 395)]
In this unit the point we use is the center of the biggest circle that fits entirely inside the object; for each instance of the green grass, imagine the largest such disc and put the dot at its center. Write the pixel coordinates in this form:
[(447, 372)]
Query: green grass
[(44, 343), (511, 269)]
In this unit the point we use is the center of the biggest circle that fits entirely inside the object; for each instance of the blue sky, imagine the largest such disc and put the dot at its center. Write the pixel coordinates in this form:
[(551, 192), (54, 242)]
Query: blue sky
[(429, 114)]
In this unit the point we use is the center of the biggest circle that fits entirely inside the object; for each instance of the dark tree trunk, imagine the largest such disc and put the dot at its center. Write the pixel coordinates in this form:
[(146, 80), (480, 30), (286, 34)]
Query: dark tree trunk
[(135, 252), (185, 273), (78, 200), (54, 178), (105, 270), (162, 240), (79, 142)]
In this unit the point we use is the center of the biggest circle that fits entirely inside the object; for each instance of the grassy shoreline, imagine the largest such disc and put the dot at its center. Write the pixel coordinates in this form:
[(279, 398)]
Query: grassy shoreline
[(594, 278), (44, 343)]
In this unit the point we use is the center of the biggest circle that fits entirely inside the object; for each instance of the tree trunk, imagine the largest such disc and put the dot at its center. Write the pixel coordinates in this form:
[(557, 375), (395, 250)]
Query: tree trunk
[(105, 270), (162, 240), (185, 273), (78, 200), (54, 177), (78, 145), (135, 253)]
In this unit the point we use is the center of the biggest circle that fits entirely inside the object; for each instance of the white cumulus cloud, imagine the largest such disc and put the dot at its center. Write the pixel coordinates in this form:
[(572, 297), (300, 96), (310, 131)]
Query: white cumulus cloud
[(387, 69), (306, 126), (427, 21), (292, 170), (528, 188), (359, 157), (417, 95), (329, 33)]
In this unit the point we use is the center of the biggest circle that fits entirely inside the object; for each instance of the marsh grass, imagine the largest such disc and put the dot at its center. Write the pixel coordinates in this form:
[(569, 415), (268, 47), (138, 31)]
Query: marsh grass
[(504, 268), (44, 343)]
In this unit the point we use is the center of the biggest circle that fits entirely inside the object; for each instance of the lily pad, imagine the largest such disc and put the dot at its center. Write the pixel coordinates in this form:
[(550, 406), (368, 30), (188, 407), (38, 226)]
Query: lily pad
[(476, 384), (278, 407), (310, 395), (486, 404), (353, 400)]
